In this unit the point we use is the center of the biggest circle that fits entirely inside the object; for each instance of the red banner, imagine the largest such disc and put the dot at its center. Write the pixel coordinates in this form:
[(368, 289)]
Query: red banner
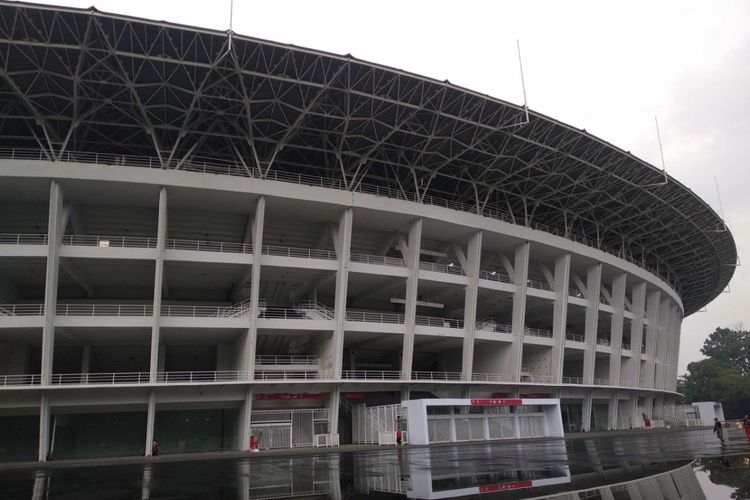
[(353, 395), (288, 397), (490, 402), (505, 486)]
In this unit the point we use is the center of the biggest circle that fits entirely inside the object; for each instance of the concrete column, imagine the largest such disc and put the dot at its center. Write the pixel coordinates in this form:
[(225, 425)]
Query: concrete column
[(638, 302), (520, 279), (161, 238), (251, 335), (473, 258), (560, 316), (343, 244), (333, 410), (586, 408), (613, 408), (243, 434), (652, 314), (44, 416), (410, 309), (616, 325), (55, 229), (85, 362), (150, 421), (661, 342), (593, 289)]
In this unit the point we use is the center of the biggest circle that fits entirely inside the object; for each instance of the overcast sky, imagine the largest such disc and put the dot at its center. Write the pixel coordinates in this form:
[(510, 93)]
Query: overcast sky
[(605, 66)]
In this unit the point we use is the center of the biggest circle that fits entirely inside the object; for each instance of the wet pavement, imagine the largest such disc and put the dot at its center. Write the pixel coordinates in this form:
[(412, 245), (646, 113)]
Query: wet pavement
[(658, 465)]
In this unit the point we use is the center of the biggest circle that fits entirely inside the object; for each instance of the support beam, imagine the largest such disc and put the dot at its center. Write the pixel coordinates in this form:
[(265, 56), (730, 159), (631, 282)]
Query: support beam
[(150, 423), (579, 283), (55, 232), (586, 408), (471, 266), (636, 332), (245, 419), (593, 285), (161, 238), (251, 335), (343, 244), (652, 314), (44, 421), (559, 315), (69, 268), (617, 300), (518, 323), (410, 308)]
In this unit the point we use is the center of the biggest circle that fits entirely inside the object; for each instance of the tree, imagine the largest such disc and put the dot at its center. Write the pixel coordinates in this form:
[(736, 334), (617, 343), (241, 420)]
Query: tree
[(731, 347)]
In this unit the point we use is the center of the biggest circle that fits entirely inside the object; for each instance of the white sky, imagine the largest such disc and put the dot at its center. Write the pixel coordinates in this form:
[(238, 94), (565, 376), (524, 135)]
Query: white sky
[(605, 66)]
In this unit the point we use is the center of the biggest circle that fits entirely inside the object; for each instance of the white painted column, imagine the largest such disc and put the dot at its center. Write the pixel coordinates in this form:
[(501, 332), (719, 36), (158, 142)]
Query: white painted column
[(473, 258), (44, 420), (661, 342), (161, 238), (560, 316), (586, 408), (343, 244), (616, 325), (150, 421), (243, 435), (251, 335), (593, 290), (638, 302), (410, 309), (55, 228), (520, 284), (652, 314), (85, 362)]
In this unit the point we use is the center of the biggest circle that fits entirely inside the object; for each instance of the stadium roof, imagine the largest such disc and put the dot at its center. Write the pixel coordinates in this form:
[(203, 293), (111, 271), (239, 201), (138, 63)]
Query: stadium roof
[(82, 80)]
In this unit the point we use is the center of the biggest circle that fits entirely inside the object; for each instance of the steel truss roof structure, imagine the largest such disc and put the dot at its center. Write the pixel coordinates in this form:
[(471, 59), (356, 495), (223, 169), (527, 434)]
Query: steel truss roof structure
[(82, 80)]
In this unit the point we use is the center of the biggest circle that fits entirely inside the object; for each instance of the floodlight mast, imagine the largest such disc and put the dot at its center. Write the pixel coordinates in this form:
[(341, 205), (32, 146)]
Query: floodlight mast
[(661, 153), (525, 120)]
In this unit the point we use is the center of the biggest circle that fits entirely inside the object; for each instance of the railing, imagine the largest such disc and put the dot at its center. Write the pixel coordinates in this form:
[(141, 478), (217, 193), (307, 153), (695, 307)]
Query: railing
[(491, 377), (628, 383), (572, 380), (537, 379), (442, 268), (198, 311), (310, 306), (21, 310), (216, 166), (602, 341), (491, 326), (109, 241), (643, 349), (541, 285), (218, 376), (377, 259), (574, 337), (286, 359), (306, 310), (6, 380), (495, 276), (292, 375), (626, 346), (209, 246), (537, 332), (436, 375), (23, 239), (371, 375), (601, 381), (104, 310), (439, 322), (100, 378), (374, 317), (303, 253)]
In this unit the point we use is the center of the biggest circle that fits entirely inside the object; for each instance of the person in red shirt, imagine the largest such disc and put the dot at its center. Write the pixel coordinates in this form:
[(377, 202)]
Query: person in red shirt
[(746, 427), (398, 437)]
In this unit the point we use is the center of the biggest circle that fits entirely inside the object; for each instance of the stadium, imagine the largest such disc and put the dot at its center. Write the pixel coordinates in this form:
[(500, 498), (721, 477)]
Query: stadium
[(206, 236)]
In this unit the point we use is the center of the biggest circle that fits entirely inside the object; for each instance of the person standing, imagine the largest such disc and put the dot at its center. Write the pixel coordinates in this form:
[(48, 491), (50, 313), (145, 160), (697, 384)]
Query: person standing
[(719, 430), (746, 427), (398, 437)]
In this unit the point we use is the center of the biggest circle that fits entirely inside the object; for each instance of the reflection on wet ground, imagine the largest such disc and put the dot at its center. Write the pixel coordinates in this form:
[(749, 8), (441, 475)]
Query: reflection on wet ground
[(658, 465)]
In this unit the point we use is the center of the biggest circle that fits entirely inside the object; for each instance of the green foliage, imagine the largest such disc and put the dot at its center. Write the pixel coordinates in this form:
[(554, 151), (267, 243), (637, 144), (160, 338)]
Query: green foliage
[(733, 473), (731, 347), (725, 375)]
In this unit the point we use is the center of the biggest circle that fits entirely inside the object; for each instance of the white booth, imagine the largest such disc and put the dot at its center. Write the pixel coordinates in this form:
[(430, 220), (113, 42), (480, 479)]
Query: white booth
[(454, 420), (708, 410)]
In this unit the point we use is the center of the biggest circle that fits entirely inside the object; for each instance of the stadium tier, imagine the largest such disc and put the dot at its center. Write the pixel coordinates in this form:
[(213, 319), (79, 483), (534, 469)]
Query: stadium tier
[(206, 236)]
